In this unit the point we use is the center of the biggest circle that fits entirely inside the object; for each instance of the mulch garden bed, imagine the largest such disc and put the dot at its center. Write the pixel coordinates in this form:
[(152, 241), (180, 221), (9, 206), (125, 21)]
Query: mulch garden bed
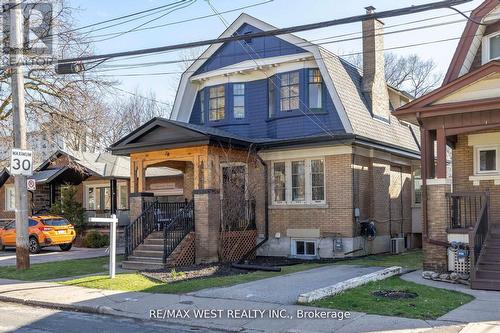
[(193, 272)]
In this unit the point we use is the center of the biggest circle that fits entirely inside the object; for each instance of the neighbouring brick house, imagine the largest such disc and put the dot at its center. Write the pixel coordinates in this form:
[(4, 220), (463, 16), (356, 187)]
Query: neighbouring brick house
[(309, 140), (464, 114), (101, 180)]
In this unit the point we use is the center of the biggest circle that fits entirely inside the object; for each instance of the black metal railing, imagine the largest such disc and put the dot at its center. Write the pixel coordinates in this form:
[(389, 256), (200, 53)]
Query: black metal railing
[(166, 211), (140, 228), (477, 236), (464, 209), (239, 218), (177, 229)]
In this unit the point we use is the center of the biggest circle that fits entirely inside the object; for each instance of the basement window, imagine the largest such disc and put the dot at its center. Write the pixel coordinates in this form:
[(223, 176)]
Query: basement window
[(303, 248)]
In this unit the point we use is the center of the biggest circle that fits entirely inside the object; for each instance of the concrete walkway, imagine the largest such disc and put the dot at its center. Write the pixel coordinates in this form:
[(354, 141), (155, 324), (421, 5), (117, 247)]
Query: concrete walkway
[(285, 289), (54, 253), (140, 306), (485, 306)]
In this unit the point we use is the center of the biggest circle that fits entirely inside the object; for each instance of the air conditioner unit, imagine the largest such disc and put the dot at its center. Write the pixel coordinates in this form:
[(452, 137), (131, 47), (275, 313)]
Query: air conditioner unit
[(397, 245)]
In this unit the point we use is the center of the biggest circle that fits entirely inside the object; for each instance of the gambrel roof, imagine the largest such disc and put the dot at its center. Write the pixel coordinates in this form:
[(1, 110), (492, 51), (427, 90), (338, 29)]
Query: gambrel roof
[(342, 80)]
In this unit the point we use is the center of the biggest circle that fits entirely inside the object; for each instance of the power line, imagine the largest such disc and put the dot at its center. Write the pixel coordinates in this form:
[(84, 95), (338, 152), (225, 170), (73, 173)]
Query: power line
[(176, 8), (181, 21), (274, 32), (166, 62)]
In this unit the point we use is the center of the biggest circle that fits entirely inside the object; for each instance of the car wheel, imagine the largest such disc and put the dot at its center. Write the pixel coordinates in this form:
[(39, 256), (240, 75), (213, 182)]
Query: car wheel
[(66, 247), (34, 246)]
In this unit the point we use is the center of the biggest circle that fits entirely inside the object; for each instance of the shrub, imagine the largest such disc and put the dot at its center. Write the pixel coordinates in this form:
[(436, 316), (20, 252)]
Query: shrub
[(70, 208), (94, 239)]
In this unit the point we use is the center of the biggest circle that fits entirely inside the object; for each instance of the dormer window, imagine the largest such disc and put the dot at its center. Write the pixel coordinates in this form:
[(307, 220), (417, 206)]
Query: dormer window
[(289, 91), (216, 103), (315, 84), (239, 100), (491, 47)]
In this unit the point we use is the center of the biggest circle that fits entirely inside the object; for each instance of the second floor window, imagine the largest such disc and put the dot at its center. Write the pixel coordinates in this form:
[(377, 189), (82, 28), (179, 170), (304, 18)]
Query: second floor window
[(315, 84), (216, 103), (491, 47), (289, 91), (239, 100), (202, 106)]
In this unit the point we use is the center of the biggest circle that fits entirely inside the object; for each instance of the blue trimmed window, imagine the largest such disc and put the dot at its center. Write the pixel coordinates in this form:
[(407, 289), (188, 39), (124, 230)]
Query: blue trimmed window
[(239, 100), (216, 103), (289, 91), (315, 90), (202, 106)]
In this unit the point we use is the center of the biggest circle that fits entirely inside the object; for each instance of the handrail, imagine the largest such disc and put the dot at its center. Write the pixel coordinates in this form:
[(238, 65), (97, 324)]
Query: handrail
[(464, 209), (177, 229), (137, 230), (478, 236)]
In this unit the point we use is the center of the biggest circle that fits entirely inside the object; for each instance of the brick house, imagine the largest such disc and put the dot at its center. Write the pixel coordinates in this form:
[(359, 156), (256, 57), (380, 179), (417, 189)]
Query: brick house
[(101, 180), (464, 114), (310, 142)]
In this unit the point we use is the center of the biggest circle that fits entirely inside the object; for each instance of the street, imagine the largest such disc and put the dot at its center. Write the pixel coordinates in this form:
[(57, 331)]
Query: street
[(27, 319)]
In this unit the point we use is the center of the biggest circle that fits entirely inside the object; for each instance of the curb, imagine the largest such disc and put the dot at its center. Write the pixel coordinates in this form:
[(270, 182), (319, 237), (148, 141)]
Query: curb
[(100, 310)]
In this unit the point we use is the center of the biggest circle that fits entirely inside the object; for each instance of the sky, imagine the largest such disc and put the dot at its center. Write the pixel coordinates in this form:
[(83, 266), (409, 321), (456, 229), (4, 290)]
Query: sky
[(280, 13)]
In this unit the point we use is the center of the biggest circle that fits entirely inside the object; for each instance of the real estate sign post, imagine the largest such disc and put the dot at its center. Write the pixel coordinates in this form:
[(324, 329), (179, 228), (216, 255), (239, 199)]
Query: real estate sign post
[(113, 221)]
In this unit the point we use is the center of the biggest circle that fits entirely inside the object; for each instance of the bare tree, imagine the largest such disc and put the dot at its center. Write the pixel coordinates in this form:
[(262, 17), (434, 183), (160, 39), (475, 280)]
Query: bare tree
[(66, 103), (125, 114), (409, 73)]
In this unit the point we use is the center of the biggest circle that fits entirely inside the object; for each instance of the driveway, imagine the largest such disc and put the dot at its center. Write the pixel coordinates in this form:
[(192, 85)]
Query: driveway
[(53, 253), (285, 289)]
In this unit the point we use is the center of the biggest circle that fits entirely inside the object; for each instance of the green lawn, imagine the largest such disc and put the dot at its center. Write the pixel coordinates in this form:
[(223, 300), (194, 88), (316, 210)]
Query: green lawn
[(59, 269), (430, 303), (411, 259), (137, 282)]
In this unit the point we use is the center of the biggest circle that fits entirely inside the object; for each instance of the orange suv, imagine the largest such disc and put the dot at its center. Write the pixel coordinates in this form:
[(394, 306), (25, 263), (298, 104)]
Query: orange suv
[(43, 231)]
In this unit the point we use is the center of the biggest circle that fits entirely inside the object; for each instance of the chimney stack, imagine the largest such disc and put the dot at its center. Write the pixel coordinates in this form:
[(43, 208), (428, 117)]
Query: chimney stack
[(374, 84)]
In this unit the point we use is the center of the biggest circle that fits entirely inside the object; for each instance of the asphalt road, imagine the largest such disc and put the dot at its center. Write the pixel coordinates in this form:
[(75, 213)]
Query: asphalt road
[(54, 253), (27, 319)]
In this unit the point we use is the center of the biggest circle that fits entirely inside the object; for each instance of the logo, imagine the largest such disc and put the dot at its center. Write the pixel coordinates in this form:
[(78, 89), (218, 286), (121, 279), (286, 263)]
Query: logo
[(38, 31)]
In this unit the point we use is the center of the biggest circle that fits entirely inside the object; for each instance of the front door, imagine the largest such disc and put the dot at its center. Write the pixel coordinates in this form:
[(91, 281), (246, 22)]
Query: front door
[(233, 203)]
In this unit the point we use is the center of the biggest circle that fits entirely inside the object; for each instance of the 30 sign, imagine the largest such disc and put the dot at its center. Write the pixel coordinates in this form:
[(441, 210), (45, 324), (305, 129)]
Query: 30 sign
[(21, 162)]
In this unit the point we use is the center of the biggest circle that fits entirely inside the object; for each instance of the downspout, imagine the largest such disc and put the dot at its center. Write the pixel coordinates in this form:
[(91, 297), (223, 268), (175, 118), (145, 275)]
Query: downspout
[(266, 213)]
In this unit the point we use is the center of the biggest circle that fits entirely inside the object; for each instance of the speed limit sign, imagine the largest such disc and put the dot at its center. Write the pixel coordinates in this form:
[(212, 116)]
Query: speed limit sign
[(21, 162)]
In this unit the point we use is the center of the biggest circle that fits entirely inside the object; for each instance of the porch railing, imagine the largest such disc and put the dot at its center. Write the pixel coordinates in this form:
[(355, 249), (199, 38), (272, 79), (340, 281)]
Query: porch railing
[(238, 218), (177, 228), (464, 209), (477, 236), (166, 211), (140, 228)]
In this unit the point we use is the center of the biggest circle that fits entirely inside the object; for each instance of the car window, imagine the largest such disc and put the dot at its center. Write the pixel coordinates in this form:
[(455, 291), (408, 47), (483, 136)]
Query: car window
[(11, 225), (32, 223), (56, 222)]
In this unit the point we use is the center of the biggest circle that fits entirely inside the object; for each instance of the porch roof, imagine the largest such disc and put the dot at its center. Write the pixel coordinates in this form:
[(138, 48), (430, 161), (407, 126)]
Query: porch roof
[(471, 93), (46, 176), (160, 133)]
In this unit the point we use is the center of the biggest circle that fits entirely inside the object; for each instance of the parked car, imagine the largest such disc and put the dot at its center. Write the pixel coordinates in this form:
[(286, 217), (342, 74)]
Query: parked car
[(43, 231)]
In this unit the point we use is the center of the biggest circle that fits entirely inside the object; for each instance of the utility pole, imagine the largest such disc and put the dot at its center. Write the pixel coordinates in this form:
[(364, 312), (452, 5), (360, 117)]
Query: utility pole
[(19, 123)]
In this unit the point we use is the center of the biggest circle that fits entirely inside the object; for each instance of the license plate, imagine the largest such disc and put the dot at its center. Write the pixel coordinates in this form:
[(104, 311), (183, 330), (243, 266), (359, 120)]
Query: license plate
[(61, 231)]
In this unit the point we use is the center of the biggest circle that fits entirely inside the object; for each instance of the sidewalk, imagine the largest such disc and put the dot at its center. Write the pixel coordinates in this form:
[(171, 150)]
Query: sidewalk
[(139, 305)]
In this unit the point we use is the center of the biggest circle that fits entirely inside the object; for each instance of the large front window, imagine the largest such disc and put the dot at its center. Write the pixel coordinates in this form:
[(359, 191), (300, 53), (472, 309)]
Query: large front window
[(289, 91), (299, 181), (216, 103)]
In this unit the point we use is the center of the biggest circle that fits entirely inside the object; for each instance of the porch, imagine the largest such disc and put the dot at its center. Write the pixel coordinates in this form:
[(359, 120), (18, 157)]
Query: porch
[(223, 192)]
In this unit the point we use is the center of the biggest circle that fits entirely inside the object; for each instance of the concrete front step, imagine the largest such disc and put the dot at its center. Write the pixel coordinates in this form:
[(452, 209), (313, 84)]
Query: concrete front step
[(145, 259), (141, 265), (154, 241), (149, 247), (144, 253)]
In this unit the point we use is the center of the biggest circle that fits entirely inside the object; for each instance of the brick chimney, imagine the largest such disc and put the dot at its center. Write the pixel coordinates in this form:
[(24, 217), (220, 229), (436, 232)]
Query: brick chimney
[(374, 84)]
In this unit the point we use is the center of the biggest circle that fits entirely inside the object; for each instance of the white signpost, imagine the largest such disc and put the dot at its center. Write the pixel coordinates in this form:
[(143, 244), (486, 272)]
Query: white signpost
[(113, 221), (21, 162)]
